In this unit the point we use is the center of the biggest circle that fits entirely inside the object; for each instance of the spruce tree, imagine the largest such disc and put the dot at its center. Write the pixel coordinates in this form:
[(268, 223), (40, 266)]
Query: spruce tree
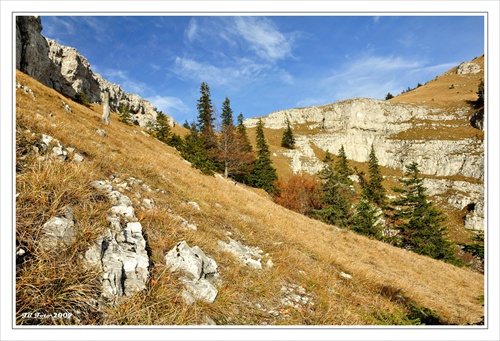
[(336, 208), (342, 168), (206, 117), (419, 222), (193, 150), (161, 128), (264, 174), (373, 190), (365, 219), (125, 115), (242, 174), (288, 140)]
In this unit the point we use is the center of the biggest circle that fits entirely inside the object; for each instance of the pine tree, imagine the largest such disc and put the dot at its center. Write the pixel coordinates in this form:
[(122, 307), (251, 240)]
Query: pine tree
[(288, 140), (161, 128), (328, 159), (342, 168), (193, 150), (206, 117), (125, 115), (373, 189), (336, 208), (264, 174), (365, 219), (419, 222)]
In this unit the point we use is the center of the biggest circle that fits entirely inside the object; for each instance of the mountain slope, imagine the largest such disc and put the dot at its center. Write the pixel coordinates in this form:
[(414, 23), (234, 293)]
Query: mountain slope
[(315, 274), (431, 125)]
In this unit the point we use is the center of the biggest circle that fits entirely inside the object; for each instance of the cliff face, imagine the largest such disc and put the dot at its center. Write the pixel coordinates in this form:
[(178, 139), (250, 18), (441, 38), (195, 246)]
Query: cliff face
[(65, 70), (441, 140)]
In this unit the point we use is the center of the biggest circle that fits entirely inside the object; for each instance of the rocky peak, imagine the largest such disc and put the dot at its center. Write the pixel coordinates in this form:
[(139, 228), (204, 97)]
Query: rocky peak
[(65, 70)]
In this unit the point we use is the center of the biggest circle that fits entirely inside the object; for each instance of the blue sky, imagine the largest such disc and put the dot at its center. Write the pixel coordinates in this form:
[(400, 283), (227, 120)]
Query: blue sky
[(267, 63)]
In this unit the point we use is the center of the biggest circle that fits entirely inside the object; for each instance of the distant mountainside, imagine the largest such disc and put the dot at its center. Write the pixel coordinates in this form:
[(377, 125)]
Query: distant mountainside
[(65, 70), (435, 125)]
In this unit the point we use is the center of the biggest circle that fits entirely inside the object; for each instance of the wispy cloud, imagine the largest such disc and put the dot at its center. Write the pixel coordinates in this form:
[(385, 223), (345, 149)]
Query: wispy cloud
[(169, 105), (263, 38), (127, 83), (191, 30)]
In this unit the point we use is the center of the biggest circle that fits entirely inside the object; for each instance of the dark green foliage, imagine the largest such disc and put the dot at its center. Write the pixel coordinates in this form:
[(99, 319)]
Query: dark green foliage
[(288, 140), (342, 168), (477, 248), (125, 114), (242, 131), (365, 219), (82, 98), (243, 173), (336, 208), (227, 113), (419, 222), (161, 128), (193, 150), (373, 189), (176, 142), (206, 117), (388, 96), (263, 174)]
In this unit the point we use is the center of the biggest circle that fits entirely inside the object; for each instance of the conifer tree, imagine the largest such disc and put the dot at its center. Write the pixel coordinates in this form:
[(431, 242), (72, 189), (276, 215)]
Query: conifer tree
[(328, 157), (161, 128), (336, 208), (342, 168), (373, 189), (264, 174), (206, 117), (288, 140), (420, 223), (242, 132), (193, 150), (125, 115), (233, 154), (365, 219)]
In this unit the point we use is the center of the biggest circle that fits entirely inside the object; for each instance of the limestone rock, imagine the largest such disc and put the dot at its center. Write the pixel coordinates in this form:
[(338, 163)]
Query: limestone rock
[(468, 68), (250, 256), (200, 272), (59, 232), (67, 71), (121, 251)]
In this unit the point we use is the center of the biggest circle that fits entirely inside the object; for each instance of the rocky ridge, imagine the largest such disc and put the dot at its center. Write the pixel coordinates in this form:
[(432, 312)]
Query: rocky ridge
[(359, 123), (65, 70)]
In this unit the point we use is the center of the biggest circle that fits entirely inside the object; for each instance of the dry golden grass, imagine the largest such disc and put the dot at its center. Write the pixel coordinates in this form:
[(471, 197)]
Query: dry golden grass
[(305, 252)]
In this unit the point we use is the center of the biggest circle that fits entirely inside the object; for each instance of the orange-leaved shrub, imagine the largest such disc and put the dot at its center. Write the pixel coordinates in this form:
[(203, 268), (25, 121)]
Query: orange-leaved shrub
[(300, 193)]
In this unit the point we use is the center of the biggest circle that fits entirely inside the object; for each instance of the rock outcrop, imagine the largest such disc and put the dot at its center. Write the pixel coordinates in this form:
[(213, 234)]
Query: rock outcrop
[(120, 253), (357, 124), (199, 272), (65, 70)]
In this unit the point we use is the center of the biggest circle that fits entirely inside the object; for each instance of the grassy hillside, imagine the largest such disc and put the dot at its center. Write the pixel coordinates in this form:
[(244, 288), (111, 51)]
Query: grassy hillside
[(388, 285)]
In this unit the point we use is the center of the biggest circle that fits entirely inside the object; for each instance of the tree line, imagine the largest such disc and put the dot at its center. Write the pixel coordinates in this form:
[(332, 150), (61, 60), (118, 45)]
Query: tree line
[(216, 144), (410, 221)]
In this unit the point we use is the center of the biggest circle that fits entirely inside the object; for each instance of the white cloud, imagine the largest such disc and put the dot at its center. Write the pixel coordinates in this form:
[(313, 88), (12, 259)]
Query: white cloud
[(263, 38), (191, 30), (168, 104)]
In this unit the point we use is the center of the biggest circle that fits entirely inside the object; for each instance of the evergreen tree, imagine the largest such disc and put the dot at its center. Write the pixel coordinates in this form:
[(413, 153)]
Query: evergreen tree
[(125, 115), (242, 132), (342, 168), (194, 151), (365, 219), (288, 140), (161, 128), (206, 117), (419, 222), (264, 174), (233, 154), (388, 96), (336, 209), (373, 189), (480, 95)]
